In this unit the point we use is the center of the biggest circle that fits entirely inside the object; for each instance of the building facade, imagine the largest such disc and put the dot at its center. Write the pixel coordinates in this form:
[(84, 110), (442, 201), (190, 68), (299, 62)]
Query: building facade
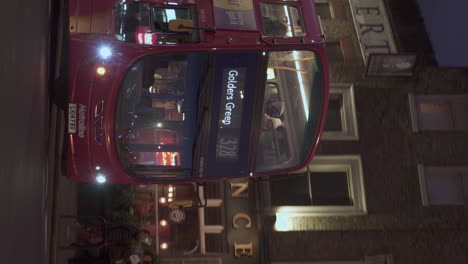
[(389, 183)]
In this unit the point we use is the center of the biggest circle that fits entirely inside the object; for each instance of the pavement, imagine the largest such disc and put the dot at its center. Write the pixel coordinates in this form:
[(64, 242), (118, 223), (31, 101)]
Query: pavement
[(63, 194)]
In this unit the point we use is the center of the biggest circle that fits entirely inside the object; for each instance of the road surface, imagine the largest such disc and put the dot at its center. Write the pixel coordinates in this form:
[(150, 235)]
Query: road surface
[(24, 113)]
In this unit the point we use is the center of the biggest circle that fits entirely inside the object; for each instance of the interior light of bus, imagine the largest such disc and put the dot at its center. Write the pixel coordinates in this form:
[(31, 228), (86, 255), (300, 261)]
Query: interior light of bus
[(163, 223), (101, 70), (270, 74), (105, 52), (140, 39), (301, 84), (162, 200), (169, 200), (170, 195), (171, 189), (164, 245), (100, 178)]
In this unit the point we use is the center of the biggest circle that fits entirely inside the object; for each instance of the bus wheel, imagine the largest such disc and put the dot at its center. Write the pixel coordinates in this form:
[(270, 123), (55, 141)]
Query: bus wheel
[(60, 93)]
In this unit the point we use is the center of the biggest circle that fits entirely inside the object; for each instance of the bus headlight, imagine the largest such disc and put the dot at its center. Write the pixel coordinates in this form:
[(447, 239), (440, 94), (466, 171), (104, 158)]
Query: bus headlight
[(105, 52), (100, 178)]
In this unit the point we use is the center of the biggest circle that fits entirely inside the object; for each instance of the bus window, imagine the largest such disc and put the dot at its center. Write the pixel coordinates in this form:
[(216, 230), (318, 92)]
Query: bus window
[(146, 23), (157, 114), (281, 20), (287, 102)]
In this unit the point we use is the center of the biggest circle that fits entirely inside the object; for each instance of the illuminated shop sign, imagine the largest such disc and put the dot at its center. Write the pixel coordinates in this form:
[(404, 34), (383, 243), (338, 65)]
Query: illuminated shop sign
[(372, 27)]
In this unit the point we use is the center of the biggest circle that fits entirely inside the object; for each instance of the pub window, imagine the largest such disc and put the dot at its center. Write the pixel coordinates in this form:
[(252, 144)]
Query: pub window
[(439, 112), (334, 52), (330, 185), (323, 10), (341, 123), (443, 185), (335, 109)]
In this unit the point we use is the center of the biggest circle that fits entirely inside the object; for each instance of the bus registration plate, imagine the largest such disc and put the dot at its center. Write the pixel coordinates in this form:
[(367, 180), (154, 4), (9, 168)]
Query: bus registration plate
[(72, 118)]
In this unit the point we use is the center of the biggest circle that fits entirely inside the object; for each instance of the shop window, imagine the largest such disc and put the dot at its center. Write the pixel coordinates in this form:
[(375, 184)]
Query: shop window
[(334, 52), (443, 185), (330, 185), (439, 112), (341, 121)]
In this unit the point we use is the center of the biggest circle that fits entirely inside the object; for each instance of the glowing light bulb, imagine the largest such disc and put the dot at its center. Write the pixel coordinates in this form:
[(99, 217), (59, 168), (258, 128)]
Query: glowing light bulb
[(101, 71)]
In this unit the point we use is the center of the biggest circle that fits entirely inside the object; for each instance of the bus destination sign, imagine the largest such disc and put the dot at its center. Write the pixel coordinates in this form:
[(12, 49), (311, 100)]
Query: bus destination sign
[(230, 115)]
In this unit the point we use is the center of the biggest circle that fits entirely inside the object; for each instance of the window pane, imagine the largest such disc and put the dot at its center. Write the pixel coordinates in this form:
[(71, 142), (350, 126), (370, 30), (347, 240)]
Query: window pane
[(154, 123), (442, 112), (323, 10), (288, 100), (460, 110), (330, 188), (334, 118), (334, 52), (444, 186), (143, 23), (292, 190), (181, 232), (436, 116), (281, 20)]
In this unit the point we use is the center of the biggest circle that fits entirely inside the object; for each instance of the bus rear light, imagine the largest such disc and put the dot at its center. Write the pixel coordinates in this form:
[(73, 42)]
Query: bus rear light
[(101, 71)]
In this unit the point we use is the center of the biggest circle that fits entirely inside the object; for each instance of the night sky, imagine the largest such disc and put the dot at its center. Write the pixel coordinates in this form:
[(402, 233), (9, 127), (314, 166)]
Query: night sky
[(447, 25)]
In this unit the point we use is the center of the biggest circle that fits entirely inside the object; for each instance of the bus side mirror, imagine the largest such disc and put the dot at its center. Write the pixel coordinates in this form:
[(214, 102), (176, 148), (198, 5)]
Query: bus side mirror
[(181, 25)]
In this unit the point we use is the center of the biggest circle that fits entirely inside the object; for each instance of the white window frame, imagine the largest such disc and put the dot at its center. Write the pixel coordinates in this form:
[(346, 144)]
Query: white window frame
[(352, 165), (424, 187), (348, 114)]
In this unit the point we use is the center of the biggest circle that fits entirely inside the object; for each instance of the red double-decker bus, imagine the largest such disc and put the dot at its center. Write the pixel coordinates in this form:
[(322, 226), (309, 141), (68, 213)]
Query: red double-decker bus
[(193, 91)]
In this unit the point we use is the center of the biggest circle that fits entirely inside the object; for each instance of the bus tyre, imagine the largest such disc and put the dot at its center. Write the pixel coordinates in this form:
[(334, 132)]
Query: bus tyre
[(60, 93)]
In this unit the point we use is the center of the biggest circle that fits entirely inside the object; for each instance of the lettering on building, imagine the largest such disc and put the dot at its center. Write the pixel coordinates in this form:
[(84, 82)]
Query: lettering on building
[(241, 221), (372, 27)]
